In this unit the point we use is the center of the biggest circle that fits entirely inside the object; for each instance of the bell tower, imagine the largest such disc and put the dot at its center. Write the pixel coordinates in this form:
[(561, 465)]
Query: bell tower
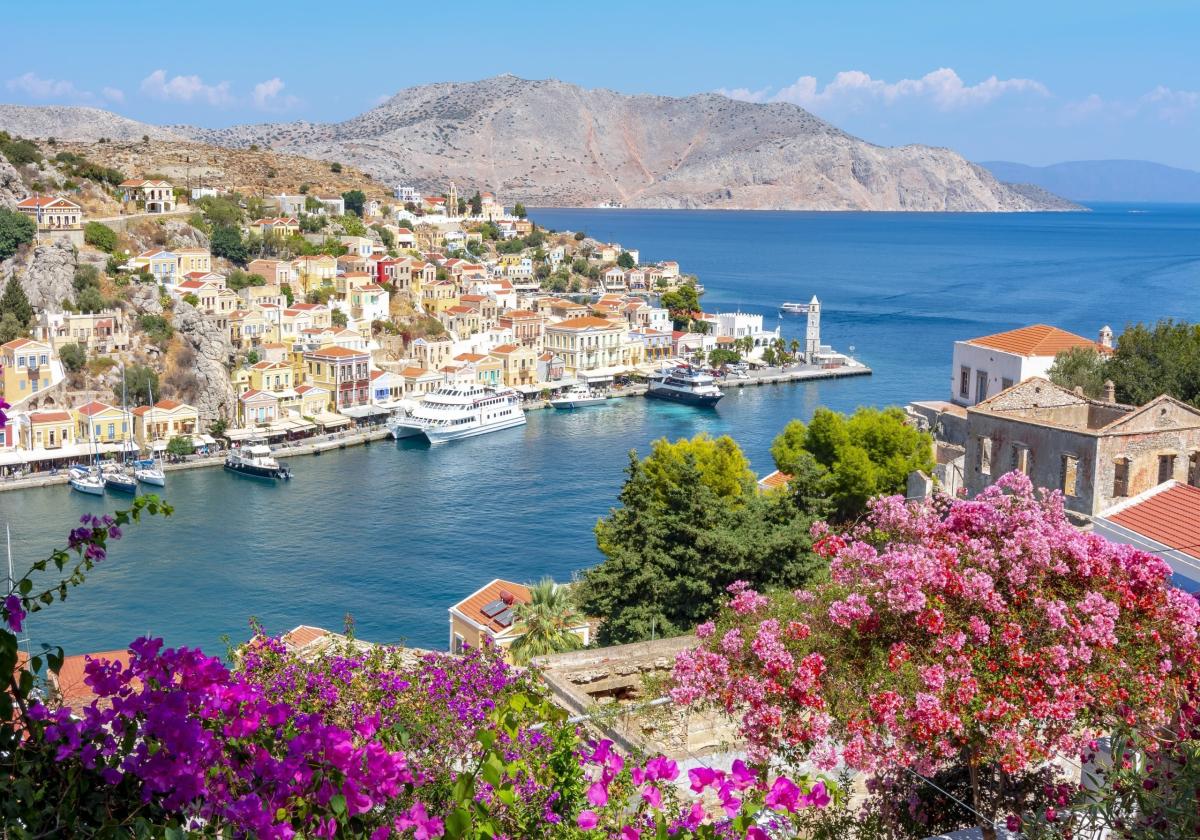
[(812, 333)]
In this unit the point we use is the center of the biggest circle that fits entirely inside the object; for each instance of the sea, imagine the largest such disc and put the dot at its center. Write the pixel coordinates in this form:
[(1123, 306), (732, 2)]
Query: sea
[(390, 535)]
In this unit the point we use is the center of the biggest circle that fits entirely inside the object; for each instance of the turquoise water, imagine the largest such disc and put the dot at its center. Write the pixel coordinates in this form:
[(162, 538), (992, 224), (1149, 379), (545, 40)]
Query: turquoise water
[(395, 533)]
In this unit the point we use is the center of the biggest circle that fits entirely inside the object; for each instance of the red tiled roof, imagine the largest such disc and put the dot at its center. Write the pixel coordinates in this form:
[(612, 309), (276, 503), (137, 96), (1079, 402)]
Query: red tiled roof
[(303, 635), (1036, 340), (94, 407), (774, 480), (584, 323), (1170, 516), (76, 693), (472, 606), (49, 416)]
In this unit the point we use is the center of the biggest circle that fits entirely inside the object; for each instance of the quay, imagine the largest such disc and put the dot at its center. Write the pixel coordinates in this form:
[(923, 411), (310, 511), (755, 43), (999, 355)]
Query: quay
[(360, 437)]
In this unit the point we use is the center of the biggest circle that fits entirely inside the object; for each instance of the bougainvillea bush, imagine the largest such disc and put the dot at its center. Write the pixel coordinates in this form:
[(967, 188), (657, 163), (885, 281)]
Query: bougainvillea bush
[(359, 741), (986, 635)]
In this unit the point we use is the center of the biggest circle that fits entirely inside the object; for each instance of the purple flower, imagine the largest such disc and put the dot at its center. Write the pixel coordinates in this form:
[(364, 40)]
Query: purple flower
[(597, 795), (16, 615), (587, 820)]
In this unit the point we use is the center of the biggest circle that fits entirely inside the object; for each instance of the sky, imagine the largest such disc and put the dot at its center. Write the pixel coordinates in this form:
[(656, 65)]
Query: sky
[(1034, 82)]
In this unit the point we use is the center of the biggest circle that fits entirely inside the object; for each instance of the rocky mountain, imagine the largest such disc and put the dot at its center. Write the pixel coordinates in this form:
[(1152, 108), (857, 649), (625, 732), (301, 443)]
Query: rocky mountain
[(76, 122), (551, 143)]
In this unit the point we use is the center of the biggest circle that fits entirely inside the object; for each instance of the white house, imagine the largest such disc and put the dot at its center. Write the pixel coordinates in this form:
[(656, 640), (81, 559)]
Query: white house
[(739, 325), (985, 366)]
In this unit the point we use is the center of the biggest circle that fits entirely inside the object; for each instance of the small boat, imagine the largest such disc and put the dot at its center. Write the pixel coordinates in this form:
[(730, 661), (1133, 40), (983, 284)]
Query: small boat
[(120, 481), (578, 396), (688, 385), (797, 308), (87, 482), (256, 461), (149, 472)]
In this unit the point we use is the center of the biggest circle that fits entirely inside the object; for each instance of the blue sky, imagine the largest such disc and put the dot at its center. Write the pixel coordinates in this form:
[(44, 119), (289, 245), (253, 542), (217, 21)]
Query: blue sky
[(1032, 82)]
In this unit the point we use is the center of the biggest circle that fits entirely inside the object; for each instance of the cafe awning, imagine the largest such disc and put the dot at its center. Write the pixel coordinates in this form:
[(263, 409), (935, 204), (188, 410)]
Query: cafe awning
[(242, 434), (360, 411), (329, 420)]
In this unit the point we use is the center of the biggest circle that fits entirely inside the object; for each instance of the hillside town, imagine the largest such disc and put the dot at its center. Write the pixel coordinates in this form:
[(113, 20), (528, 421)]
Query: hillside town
[(189, 318)]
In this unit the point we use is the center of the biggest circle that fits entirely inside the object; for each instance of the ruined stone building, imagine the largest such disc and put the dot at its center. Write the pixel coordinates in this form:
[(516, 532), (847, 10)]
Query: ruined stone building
[(1096, 452)]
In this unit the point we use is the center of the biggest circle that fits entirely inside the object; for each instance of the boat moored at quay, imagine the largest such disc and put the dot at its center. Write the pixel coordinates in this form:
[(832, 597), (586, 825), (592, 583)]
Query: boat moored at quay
[(685, 384), (256, 461), (459, 411)]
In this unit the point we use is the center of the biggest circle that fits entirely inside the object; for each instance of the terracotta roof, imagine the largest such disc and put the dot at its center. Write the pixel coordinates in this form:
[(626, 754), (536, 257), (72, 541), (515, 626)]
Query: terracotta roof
[(95, 407), (506, 348), (520, 313), (45, 201), (303, 635), (76, 693), (1036, 340), (414, 371), (774, 480), (1170, 515), (168, 405), (584, 323), (469, 357), (337, 352), (472, 606), (49, 416), (18, 343)]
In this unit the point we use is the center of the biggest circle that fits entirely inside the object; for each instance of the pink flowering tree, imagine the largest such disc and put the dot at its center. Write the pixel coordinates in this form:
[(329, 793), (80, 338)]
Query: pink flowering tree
[(988, 635), (360, 741)]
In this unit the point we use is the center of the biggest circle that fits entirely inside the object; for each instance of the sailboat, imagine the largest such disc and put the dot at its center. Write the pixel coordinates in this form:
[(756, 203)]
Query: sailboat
[(148, 470), (87, 479), (117, 477)]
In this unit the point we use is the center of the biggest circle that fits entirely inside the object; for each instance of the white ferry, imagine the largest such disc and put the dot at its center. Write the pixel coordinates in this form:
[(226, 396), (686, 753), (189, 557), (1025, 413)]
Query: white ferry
[(578, 396), (458, 411), (796, 308), (686, 384)]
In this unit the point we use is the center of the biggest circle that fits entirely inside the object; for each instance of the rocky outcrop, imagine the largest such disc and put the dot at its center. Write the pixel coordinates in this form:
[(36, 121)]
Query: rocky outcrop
[(12, 188), (47, 278), (554, 144), (146, 299), (182, 235), (75, 122), (211, 391)]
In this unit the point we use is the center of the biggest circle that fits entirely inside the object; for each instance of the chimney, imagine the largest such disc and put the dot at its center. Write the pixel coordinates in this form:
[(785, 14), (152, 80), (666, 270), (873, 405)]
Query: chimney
[(1110, 391), (1106, 336)]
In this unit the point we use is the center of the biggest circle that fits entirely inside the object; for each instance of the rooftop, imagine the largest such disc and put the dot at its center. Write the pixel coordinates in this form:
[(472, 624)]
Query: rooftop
[(479, 605), (1035, 340), (1168, 514)]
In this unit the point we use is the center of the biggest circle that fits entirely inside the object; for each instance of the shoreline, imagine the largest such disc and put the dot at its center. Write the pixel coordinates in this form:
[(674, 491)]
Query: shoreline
[(365, 437)]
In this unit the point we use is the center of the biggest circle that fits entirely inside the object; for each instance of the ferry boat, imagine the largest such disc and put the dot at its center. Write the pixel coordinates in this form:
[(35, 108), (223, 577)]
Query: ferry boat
[(254, 459), (797, 308), (458, 411), (148, 471), (686, 384), (578, 396)]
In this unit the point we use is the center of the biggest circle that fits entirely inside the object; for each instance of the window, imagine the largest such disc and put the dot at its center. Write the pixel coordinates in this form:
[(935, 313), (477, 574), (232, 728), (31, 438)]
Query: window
[(984, 463), (1166, 468), (1070, 475), (1194, 469), (1005, 384), (1020, 458), (964, 382), (981, 385), (1121, 478)]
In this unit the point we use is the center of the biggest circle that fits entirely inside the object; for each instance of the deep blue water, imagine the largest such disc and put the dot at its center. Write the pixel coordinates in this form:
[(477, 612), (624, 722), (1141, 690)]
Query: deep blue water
[(394, 534)]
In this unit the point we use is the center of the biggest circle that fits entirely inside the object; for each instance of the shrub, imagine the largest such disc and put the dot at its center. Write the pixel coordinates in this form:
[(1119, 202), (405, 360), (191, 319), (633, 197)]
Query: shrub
[(73, 356), (335, 167), (100, 236), (16, 229), (157, 328)]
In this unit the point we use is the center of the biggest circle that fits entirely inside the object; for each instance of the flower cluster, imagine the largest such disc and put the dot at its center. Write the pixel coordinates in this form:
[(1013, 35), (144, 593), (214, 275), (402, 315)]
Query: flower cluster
[(988, 628)]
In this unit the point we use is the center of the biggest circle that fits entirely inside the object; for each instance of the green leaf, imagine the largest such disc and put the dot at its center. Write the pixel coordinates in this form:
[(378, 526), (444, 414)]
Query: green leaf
[(458, 822), (339, 804), (492, 771)]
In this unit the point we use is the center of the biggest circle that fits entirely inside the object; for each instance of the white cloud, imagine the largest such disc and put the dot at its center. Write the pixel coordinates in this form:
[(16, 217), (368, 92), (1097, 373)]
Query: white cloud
[(1171, 104), (943, 87), (113, 94), (185, 89), (36, 87), (267, 97)]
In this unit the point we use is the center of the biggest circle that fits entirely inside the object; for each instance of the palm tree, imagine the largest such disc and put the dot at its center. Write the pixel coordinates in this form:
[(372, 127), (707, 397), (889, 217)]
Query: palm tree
[(548, 619), (795, 347)]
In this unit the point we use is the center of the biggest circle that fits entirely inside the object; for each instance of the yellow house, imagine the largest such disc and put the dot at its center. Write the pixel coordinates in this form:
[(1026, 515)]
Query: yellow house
[(50, 430), (162, 421), (439, 296), (312, 400), (194, 260), (103, 423), (247, 328), (26, 365), (490, 612), (281, 227), (518, 364), (272, 376), (316, 271)]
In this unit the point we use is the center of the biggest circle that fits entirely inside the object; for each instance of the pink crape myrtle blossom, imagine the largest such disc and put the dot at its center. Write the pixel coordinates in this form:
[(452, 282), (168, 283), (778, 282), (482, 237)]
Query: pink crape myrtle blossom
[(989, 629)]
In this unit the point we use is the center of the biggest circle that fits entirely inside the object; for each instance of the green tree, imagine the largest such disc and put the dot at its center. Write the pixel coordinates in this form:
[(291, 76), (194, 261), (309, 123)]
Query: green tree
[(73, 356), (723, 356), (239, 280), (1080, 367), (335, 167), (100, 236), (681, 303), (519, 210), (690, 522), (157, 328), (221, 211), (19, 152), (227, 242), (625, 261), (354, 199), (285, 289), (352, 225), (86, 276), (1148, 362), (852, 459), (180, 446), (14, 302), (476, 204), (140, 381), (546, 621), (10, 328), (386, 236), (338, 318), (580, 236), (91, 300), (16, 229)]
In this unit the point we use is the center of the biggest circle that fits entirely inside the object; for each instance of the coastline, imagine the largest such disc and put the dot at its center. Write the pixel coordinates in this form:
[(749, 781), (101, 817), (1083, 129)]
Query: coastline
[(364, 437)]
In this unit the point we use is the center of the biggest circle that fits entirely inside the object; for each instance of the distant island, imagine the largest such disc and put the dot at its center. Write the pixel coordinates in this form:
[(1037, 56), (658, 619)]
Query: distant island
[(1105, 180), (555, 144)]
